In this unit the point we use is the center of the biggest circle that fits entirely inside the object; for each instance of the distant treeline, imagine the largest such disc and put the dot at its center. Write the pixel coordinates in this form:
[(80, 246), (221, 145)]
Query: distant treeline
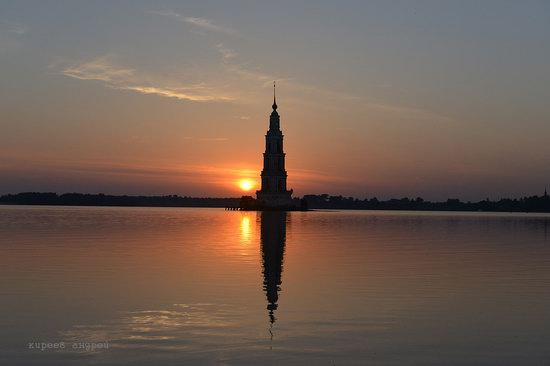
[(79, 199), (323, 201), (525, 204)]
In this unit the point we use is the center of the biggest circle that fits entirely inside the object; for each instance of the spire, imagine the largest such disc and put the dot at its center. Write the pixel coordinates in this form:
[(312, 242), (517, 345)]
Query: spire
[(274, 106), (545, 193)]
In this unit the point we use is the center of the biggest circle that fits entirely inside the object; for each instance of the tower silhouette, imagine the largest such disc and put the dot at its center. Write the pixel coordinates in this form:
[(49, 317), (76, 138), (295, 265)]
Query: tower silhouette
[(274, 193)]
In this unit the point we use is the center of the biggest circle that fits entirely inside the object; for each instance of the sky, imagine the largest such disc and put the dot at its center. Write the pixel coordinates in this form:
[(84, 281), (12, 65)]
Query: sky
[(438, 99)]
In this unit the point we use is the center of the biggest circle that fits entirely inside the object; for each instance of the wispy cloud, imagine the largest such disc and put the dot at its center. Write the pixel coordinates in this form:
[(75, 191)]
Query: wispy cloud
[(226, 53), (302, 93), (101, 69), (315, 95), (417, 114), (183, 93), (309, 176), (213, 139), (123, 78), (206, 24), (17, 28), (11, 35), (202, 23), (243, 69), (191, 173)]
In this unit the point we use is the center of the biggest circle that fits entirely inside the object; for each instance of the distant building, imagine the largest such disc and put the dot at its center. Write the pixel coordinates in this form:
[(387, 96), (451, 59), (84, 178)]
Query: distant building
[(274, 193)]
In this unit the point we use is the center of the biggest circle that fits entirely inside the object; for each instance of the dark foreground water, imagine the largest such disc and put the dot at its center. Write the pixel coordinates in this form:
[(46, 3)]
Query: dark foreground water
[(178, 286)]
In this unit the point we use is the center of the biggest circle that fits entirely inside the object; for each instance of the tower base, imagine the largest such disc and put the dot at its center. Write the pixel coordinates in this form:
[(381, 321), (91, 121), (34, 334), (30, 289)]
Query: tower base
[(277, 201)]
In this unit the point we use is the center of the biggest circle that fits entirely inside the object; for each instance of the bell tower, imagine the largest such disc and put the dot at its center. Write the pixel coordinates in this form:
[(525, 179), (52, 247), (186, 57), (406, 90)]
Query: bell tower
[(274, 191)]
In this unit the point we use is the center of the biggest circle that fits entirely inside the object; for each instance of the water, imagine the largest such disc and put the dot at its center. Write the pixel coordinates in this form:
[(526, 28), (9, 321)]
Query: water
[(165, 286)]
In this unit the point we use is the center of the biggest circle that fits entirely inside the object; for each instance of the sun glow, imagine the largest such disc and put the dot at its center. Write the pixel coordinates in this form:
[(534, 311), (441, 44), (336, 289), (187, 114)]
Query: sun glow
[(246, 184)]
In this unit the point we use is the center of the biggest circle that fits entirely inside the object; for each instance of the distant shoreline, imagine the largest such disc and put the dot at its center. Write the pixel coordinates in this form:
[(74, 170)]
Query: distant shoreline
[(534, 204)]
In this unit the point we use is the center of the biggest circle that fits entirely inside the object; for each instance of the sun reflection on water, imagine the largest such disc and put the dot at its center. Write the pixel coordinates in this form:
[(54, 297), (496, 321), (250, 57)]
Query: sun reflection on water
[(246, 229)]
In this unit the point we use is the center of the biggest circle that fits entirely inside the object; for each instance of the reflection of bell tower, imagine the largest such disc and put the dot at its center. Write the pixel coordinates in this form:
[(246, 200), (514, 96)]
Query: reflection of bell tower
[(272, 237)]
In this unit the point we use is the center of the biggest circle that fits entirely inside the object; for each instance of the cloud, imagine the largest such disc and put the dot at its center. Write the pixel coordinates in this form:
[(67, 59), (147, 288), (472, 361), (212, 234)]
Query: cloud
[(178, 93), (221, 87), (206, 138), (226, 53), (100, 69), (213, 139), (303, 93), (192, 173), (318, 96), (206, 24), (10, 36), (202, 23), (310, 176), (109, 71), (418, 114), (17, 28), (243, 69), (123, 78)]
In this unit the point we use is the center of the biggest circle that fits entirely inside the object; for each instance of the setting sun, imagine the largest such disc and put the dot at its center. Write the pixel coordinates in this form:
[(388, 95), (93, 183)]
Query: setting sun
[(246, 184)]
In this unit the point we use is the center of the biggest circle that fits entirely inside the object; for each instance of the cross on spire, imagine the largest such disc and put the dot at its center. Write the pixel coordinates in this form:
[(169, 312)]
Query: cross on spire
[(274, 106)]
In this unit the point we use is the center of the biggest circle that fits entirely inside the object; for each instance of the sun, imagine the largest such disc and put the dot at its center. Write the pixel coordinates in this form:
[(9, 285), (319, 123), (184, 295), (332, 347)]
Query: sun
[(246, 184)]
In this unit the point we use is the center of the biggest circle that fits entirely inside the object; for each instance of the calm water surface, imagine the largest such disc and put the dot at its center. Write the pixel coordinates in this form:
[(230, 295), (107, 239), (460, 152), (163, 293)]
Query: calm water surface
[(167, 286)]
